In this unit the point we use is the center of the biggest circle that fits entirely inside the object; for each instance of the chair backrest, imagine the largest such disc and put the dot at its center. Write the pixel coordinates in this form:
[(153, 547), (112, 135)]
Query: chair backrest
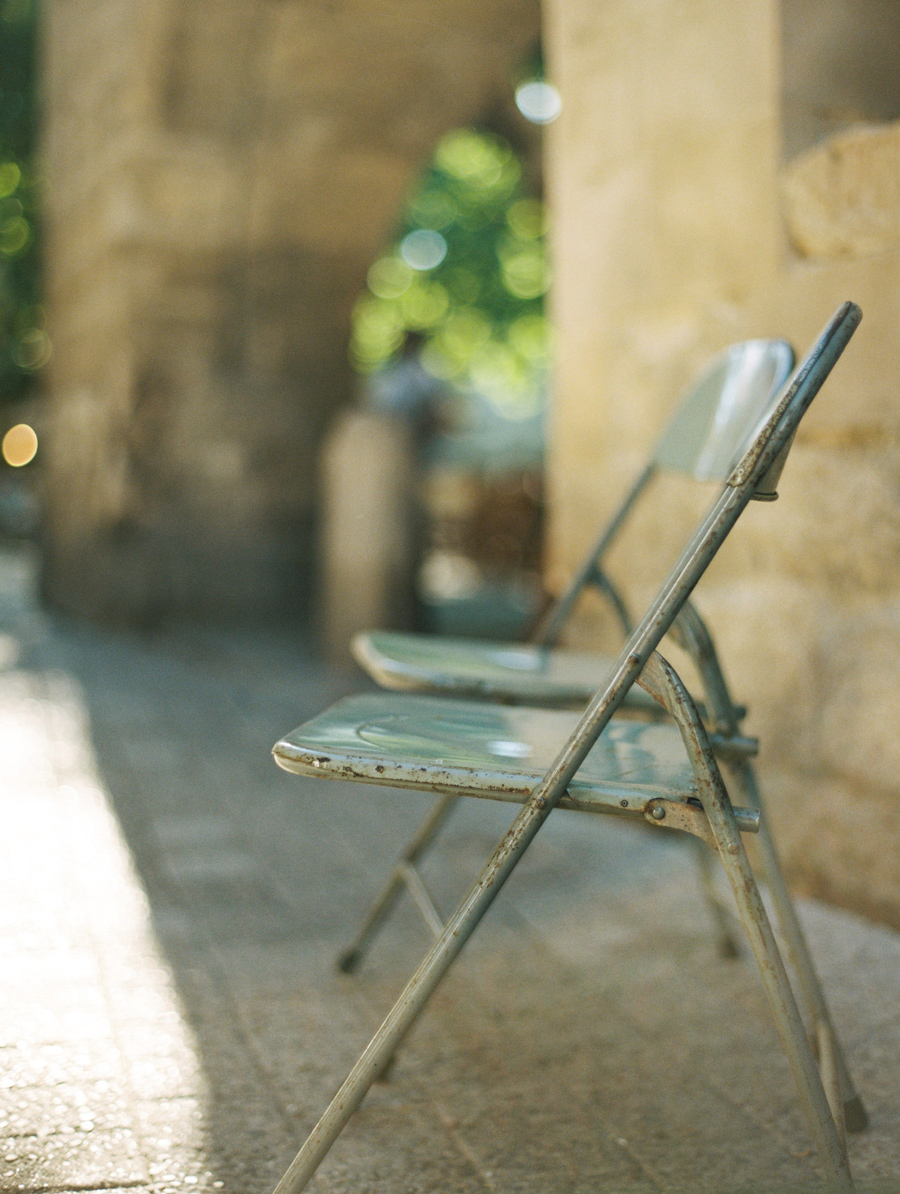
[(704, 439), (719, 414)]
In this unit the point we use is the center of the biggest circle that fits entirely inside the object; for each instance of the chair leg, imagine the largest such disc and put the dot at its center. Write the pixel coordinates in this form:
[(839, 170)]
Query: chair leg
[(809, 988), (403, 874), (826, 1132), (403, 1015), (831, 1079), (723, 921)]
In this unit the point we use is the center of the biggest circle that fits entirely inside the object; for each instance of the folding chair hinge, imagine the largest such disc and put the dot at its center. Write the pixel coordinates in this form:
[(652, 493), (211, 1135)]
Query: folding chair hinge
[(690, 818), (734, 746)]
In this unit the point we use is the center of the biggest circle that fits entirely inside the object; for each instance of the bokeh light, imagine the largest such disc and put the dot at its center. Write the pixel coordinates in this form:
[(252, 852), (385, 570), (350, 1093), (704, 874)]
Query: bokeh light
[(538, 101), (10, 177), (20, 445), (32, 349), (423, 249), (389, 278)]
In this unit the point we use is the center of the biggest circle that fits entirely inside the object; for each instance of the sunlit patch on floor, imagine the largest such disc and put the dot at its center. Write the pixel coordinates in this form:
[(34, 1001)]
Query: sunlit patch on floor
[(100, 1082)]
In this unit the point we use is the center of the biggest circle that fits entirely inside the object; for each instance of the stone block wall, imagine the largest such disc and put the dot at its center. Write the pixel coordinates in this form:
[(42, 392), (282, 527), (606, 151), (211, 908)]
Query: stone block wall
[(685, 221), (220, 175)]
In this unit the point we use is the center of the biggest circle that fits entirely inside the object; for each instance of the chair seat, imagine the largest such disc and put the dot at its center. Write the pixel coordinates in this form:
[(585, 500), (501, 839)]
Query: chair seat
[(494, 751), (497, 671)]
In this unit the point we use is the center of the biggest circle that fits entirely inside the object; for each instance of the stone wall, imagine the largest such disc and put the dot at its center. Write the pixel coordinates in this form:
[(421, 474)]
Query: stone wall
[(686, 219), (220, 175)]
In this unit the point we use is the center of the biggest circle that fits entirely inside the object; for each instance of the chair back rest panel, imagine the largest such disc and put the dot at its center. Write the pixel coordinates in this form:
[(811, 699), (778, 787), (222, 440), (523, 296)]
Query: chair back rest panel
[(722, 410), (703, 440)]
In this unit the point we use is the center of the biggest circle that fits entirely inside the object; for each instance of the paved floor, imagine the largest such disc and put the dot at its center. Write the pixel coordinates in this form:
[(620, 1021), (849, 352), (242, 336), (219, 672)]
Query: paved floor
[(172, 1021)]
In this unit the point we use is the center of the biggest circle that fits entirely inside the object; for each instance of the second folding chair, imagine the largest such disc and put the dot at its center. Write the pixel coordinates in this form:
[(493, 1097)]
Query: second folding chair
[(707, 434)]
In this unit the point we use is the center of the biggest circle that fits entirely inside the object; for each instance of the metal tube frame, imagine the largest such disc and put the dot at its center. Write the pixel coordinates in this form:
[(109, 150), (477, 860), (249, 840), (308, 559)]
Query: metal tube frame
[(809, 987), (691, 632), (401, 875), (823, 1114), (591, 573)]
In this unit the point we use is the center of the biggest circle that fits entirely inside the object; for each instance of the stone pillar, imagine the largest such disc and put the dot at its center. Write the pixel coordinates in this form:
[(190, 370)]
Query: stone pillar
[(679, 228), (221, 173)]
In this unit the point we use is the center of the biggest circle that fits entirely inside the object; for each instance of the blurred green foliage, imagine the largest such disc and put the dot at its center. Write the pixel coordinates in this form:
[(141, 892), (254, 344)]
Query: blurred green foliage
[(24, 344), (467, 273)]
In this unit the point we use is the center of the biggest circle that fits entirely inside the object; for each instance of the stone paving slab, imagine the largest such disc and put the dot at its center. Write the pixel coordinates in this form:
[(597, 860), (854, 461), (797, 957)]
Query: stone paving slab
[(172, 904)]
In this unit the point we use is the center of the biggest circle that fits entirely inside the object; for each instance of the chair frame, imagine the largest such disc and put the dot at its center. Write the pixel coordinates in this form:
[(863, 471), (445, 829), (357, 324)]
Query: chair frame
[(755, 474)]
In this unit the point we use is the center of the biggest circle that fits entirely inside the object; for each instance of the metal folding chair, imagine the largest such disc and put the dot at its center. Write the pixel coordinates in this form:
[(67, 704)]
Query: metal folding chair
[(545, 758), (704, 438), (714, 422)]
